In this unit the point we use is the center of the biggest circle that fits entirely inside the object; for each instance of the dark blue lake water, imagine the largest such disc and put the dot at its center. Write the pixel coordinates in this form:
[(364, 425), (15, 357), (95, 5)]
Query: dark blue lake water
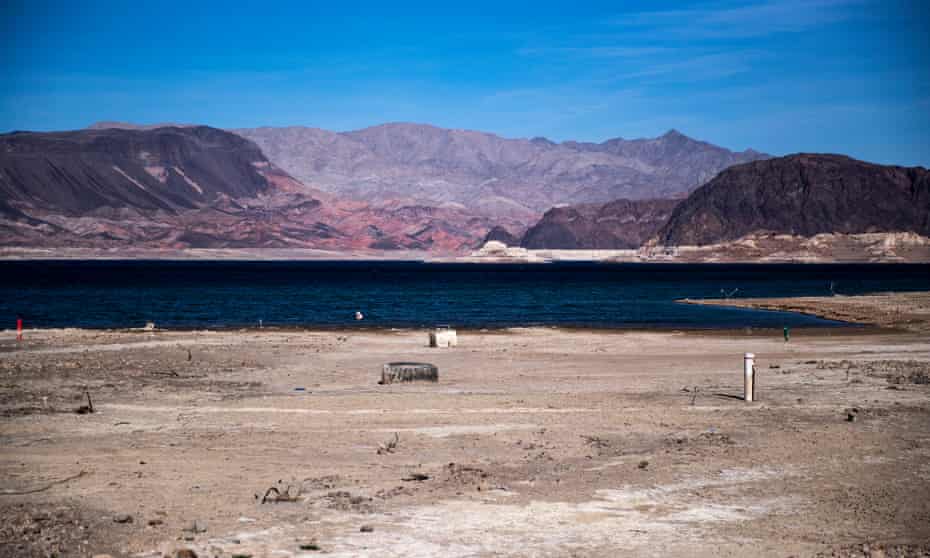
[(230, 294)]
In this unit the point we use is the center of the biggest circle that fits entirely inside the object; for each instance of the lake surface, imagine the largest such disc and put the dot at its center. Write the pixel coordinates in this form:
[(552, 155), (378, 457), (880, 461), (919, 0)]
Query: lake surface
[(103, 294)]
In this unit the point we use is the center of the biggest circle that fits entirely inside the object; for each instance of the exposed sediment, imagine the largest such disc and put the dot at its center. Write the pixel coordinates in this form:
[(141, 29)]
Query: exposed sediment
[(910, 311)]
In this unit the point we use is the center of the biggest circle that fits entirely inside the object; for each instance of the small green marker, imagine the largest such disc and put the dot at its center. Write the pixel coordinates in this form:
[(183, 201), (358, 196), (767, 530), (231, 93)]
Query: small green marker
[(787, 332)]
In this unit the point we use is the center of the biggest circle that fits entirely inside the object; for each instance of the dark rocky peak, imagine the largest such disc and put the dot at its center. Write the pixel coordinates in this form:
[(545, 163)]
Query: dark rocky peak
[(804, 194), (501, 234), (165, 169), (620, 224)]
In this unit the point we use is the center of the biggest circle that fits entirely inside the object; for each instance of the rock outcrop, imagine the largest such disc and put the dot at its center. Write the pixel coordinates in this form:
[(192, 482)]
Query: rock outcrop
[(620, 224), (501, 234), (802, 195)]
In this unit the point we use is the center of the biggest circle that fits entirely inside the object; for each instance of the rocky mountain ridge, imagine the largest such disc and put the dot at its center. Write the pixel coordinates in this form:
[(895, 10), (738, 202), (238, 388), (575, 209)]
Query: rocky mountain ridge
[(179, 187), (802, 195), (620, 224), (487, 174), (192, 187)]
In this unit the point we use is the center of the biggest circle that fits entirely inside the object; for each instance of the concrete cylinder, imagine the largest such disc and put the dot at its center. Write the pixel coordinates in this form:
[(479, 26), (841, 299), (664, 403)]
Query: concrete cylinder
[(749, 362)]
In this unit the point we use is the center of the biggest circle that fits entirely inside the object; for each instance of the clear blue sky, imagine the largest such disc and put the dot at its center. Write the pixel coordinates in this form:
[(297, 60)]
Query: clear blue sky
[(844, 76)]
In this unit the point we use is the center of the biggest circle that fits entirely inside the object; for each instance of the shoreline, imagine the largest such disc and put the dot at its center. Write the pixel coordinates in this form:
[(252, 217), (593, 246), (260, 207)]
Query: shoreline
[(909, 311), (748, 331), (447, 260), (878, 248)]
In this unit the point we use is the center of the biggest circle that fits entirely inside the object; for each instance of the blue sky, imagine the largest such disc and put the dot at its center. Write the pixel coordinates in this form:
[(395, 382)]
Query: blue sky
[(781, 76)]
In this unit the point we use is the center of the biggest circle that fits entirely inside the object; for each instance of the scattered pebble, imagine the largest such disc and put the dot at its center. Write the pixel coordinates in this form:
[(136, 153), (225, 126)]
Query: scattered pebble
[(122, 518), (196, 527), (416, 477)]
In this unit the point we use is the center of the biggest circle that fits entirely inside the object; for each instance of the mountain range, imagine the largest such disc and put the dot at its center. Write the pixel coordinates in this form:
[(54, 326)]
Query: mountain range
[(801, 195), (419, 187), (488, 175), (191, 187), (418, 164)]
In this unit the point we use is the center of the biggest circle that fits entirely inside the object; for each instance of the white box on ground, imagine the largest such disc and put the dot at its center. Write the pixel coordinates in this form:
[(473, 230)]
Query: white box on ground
[(443, 337)]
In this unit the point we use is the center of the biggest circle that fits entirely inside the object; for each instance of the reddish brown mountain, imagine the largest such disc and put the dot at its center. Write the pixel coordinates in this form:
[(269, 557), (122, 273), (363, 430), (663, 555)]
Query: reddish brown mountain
[(192, 187)]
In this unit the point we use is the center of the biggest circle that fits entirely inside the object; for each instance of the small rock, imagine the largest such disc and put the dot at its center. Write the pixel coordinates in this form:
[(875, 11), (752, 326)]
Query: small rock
[(196, 527), (309, 546), (366, 529), (643, 464), (418, 477), (32, 530), (185, 553), (122, 518), (155, 522)]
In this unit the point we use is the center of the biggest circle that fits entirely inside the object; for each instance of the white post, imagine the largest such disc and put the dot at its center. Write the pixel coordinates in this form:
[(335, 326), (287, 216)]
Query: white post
[(749, 361)]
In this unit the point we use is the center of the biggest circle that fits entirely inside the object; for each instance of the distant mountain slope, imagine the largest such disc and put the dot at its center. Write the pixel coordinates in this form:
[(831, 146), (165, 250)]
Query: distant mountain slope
[(175, 187), (112, 124), (804, 195), (501, 234), (487, 174), (167, 169), (674, 157), (620, 224)]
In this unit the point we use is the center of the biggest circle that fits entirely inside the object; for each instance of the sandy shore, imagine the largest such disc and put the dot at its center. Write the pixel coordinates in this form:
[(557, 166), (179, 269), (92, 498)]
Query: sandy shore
[(909, 311), (534, 442)]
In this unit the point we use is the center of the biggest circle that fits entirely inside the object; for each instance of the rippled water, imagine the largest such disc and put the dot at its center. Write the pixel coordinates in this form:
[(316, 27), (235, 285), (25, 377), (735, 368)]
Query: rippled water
[(228, 294)]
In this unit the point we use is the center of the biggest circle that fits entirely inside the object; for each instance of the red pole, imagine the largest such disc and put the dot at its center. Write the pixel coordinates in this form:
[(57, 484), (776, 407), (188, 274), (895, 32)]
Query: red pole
[(19, 329)]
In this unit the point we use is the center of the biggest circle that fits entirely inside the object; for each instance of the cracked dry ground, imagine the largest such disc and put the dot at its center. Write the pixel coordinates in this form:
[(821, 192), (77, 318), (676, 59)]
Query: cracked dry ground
[(534, 442)]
